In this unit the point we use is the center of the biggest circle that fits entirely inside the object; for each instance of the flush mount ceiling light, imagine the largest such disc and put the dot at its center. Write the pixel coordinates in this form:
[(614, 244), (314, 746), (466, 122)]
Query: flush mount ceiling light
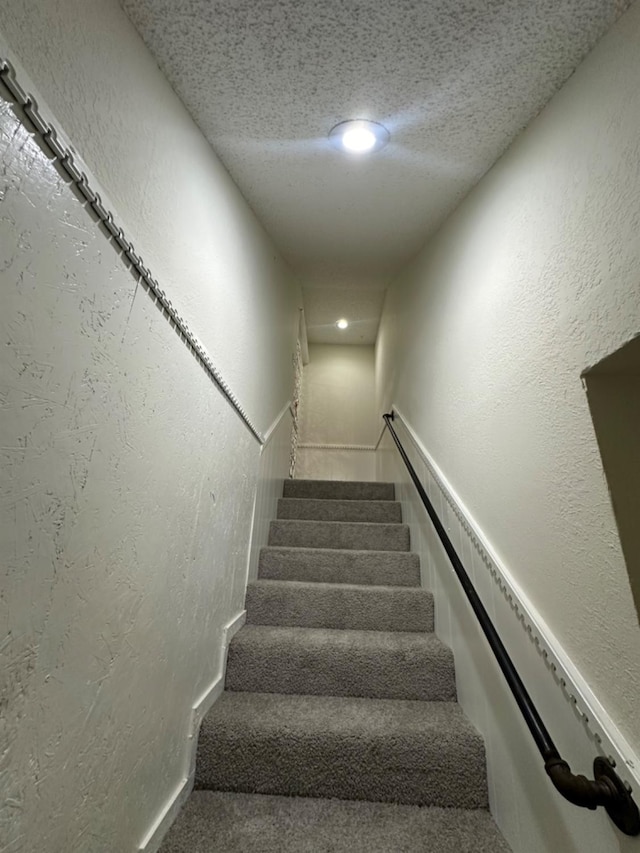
[(359, 136), (342, 324)]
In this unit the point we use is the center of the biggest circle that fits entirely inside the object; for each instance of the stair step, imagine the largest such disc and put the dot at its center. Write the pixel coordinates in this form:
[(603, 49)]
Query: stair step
[(341, 490), (325, 661), (344, 510), (383, 750), (333, 565), (213, 821), (339, 534), (331, 605)]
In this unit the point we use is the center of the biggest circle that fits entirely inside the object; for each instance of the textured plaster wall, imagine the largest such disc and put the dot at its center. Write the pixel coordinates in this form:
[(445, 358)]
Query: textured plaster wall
[(338, 408), (127, 481), (275, 460), (183, 211), (484, 339), (532, 816)]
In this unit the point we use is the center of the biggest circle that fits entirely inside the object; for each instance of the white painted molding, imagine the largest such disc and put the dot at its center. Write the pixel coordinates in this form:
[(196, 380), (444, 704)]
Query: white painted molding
[(336, 446), (302, 336), (564, 673), (274, 426), (168, 813), (232, 628), (153, 839)]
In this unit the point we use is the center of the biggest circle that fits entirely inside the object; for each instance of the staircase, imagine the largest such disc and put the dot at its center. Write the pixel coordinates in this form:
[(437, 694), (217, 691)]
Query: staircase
[(338, 729)]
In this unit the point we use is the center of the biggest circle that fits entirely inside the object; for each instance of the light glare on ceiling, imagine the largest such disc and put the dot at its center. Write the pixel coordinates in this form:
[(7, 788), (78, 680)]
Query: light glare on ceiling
[(359, 136), (342, 324)]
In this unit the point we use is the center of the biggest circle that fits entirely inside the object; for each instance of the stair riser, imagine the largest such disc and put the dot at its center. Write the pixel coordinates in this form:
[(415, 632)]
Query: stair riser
[(254, 823), (336, 535), (338, 490), (379, 512), (339, 606), (418, 673), (414, 772), (334, 566)]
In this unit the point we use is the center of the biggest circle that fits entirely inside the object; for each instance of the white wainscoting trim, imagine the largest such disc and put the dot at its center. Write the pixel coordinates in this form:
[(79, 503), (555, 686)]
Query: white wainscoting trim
[(564, 673), (168, 813), (274, 426)]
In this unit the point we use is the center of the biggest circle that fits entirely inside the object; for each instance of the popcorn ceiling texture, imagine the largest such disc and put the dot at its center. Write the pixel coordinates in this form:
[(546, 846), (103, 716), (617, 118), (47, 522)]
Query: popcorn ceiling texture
[(454, 83)]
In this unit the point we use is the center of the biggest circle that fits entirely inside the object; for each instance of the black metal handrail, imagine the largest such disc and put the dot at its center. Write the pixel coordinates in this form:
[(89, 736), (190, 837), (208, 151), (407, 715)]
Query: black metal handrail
[(606, 789)]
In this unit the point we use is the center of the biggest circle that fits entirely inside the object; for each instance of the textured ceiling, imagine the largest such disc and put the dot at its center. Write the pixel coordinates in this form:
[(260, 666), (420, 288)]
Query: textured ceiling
[(453, 81)]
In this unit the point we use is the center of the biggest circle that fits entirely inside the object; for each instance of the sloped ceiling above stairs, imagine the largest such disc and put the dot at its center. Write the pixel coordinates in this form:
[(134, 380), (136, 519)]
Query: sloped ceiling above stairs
[(454, 81)]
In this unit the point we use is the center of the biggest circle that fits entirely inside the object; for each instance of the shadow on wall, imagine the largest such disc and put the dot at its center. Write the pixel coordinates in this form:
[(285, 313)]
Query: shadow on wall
[(613, 392)]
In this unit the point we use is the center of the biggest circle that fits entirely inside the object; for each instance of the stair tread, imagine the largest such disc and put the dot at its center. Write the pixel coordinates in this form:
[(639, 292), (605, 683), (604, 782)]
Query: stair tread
[(305, 717), (316, 509), (335, 553), (339, 489), (337, 525), (331, 662), (256, 823), (340, 637), (356, 587), (378, 536), (339, 605), (380, 750), (339, 565)]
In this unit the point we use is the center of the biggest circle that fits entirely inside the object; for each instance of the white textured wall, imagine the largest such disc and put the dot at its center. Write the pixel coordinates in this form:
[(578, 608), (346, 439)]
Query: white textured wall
[(532, 816), (338, 408), (483, 341), (185, 214), (275, 459), (127, 479)]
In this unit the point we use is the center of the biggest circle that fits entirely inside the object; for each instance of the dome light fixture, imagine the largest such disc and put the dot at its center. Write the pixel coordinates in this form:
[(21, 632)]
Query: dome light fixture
[(359, 136), (342, 324)]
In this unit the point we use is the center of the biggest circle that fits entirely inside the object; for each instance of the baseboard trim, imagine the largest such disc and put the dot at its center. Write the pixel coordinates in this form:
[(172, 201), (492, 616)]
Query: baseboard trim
[(168, 813), (153, 839), (274, 426), (565, 675), (232, 627)]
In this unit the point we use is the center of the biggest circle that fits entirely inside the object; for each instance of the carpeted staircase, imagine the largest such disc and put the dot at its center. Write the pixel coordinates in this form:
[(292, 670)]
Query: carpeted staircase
[(338, 729)]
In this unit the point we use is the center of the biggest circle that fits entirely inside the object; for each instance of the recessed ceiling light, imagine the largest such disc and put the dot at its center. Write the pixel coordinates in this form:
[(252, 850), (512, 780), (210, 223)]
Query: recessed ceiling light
[(342, 324), (359, 136)]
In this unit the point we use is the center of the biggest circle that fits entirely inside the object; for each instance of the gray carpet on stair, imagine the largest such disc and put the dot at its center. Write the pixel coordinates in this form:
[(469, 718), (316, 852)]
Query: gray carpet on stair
[(329, 510), (338, 731), (381, 750), (340, 490), (378, 568), (214, 822), (324, 661), (339, 534), (326, 605)]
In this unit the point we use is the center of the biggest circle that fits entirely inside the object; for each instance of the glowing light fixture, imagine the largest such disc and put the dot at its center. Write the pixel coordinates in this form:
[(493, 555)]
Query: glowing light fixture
[(342, 324), (359, 136)]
